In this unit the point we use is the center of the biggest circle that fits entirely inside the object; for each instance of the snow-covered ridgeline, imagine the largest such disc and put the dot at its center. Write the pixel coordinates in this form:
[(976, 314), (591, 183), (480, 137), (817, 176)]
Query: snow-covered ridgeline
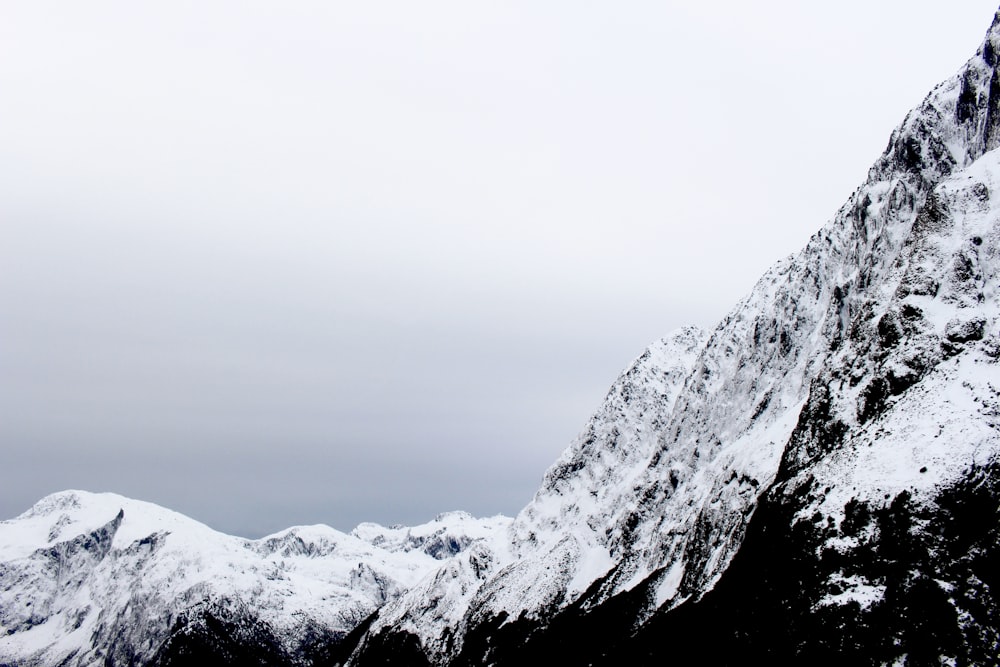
[(85, 577), (742, 400), (663, 483), (618, 440)]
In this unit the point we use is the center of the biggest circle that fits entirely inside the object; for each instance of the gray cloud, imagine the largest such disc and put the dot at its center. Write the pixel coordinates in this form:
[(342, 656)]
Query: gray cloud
[(329, 263)]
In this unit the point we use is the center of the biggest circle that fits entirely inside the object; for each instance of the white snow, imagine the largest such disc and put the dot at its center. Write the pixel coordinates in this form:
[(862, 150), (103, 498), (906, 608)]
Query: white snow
[(158, 563), (856, 589)]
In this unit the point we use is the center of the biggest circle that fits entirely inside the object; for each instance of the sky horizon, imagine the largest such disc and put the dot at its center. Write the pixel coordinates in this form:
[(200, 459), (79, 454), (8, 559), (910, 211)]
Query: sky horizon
[(270, 265)]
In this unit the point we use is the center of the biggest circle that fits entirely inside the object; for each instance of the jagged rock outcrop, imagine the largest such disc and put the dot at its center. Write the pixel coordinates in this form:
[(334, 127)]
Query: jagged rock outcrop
[(860, 372)]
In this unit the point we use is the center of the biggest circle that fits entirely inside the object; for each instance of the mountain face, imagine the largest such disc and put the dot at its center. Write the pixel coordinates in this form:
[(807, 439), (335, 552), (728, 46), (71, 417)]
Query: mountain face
[(816, 481), (101, 579), (835, 430)]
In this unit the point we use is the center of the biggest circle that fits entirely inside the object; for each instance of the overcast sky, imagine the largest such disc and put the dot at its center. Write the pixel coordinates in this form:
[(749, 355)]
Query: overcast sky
[(275, 263)]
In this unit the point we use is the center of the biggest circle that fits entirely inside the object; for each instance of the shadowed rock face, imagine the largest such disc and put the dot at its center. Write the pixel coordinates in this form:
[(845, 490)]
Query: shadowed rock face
[(815, 481), (915, 585)]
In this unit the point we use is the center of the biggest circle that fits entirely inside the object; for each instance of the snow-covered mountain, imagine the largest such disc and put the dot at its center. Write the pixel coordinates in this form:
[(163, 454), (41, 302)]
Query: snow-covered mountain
[(815, 481), (101, 579), (860, 373)]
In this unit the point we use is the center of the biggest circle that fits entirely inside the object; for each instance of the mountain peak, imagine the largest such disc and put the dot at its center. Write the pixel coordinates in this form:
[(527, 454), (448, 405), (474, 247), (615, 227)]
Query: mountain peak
[(991, 44)]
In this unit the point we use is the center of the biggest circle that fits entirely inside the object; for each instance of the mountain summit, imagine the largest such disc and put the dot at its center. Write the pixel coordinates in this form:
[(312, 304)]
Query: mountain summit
[(815, 481), (801, 480)]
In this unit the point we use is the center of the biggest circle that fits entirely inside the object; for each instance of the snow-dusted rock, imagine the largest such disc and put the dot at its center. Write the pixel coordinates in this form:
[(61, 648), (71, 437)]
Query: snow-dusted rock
[(861, 367), (515, 571), (93, 578)]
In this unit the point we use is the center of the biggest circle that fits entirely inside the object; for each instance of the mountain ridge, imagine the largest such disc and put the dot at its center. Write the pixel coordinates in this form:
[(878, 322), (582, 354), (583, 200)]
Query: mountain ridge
[(69, 590), (828, 308)]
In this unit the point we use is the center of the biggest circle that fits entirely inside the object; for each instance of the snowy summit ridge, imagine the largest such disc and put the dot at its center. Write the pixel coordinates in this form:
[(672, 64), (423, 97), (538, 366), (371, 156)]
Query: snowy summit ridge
[(817, 479), (98, 578)]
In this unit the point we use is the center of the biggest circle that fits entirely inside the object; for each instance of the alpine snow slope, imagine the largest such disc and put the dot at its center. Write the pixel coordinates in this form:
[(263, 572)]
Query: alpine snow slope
[(816, 481), (98, 579)]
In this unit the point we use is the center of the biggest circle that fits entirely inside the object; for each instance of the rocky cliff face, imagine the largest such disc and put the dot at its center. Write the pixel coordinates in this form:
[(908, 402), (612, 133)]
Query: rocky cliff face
[(545, 558), (813, 482), (857, 381)]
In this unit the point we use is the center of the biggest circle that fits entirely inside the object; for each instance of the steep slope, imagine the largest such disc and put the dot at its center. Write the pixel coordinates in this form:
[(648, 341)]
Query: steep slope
[(616, 442), (848, 363), (879, 541), (88, 578)]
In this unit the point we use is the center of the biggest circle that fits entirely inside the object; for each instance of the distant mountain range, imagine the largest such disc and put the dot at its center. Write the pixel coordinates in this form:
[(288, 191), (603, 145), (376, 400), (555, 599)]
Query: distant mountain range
[(815, 481)]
